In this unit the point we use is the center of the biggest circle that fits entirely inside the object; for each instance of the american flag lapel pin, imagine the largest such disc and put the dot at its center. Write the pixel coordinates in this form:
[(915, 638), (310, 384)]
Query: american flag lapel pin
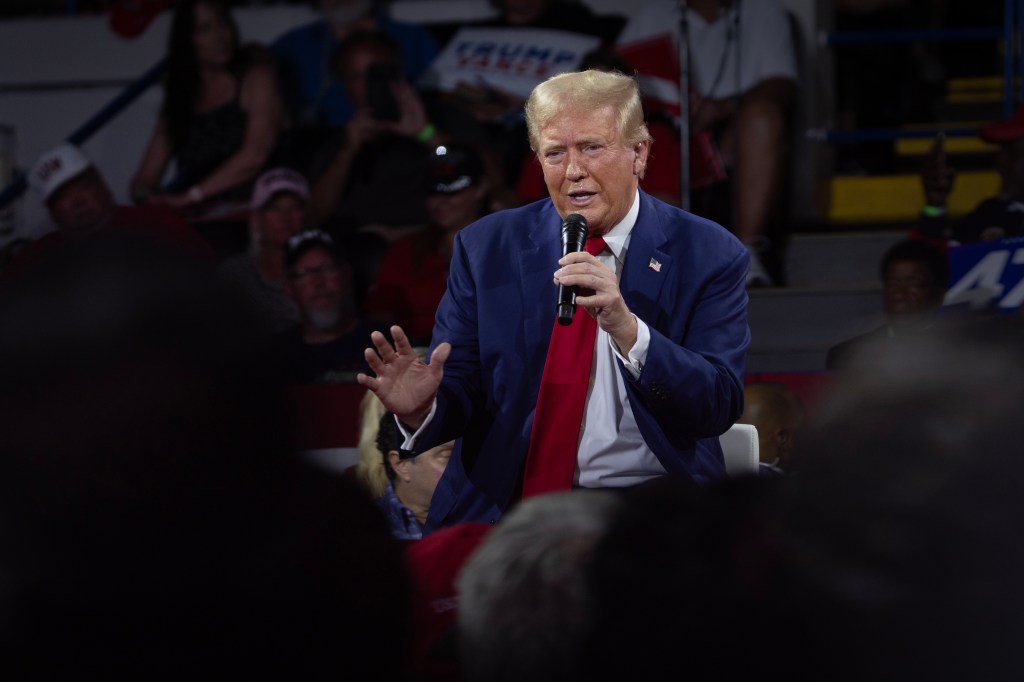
[(654, 265)]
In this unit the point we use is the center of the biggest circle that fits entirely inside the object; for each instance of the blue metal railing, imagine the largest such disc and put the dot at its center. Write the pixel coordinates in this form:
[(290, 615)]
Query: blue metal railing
[(97, 121), (1013, 26)]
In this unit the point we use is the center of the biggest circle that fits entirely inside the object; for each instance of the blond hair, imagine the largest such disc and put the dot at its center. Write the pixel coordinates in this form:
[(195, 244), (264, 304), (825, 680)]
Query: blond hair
[(582, 91), (370, 467)]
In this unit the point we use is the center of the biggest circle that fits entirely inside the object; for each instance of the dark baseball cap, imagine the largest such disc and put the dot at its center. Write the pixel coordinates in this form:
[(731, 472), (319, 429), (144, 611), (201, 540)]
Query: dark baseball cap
[(453, 168)]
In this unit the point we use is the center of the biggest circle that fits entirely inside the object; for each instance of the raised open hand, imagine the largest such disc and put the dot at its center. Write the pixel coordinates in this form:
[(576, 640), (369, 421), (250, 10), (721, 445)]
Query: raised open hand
[(405, 384)]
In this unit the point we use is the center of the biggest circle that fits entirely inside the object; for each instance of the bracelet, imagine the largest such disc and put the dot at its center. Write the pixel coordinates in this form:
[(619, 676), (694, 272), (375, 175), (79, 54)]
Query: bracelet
[(427, 133), (195, 194), (932, 211)]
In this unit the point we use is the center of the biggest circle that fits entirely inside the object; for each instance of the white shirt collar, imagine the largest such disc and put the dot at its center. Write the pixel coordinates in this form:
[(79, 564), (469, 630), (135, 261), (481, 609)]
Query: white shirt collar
[(617, 238)]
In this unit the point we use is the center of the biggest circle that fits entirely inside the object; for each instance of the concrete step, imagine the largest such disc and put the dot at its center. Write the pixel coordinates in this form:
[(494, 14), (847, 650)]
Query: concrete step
[(837, 260), (792, 329)]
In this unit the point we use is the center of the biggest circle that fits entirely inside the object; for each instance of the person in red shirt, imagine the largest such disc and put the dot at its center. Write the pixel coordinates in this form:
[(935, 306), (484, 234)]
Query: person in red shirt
[(81, 205), (413, 277)]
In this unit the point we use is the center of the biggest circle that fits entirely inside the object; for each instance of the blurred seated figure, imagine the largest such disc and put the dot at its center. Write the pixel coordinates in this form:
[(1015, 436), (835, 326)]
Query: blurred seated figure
[(155, 524), (744, 81), (385, 147), (327, 345), (219, 124), (278, 211), (414, 274), (994, 218), (412, 480), (777, 412), (316, 100), (81, 206), (915, 275), (524, 606)]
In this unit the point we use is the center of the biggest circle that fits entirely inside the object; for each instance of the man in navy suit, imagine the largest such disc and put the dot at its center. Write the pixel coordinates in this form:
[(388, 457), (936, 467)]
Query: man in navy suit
[(667, 375)]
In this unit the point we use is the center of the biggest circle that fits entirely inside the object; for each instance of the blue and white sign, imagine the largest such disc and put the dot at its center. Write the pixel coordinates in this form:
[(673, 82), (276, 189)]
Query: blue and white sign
[(987, 275), (511, 60)]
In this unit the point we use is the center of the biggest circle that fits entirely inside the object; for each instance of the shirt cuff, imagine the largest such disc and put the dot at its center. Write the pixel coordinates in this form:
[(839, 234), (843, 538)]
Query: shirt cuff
[(410, 439), (634, 364)]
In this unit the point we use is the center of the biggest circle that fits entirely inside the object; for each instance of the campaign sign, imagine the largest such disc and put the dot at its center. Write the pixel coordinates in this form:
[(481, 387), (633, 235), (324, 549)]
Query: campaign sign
[(511, 60), (987, 275)]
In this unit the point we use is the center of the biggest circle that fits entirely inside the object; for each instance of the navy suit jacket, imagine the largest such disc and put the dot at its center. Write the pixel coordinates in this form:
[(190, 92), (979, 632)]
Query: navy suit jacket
[(683, 275)]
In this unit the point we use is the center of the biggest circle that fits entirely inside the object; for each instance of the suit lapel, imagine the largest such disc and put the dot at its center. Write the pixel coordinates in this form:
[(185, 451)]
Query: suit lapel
[(537, 263), (648, 265)]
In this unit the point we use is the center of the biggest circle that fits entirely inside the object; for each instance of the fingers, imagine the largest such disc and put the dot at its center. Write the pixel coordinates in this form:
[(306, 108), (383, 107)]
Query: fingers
[(439, 356), (402, 344)]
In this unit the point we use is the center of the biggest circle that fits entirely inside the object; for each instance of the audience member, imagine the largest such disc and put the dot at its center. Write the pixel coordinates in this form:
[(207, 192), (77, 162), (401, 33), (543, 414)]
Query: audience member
[(327, 345), (777, 412), (915, 275), (524, 608), (682, 579), (278, 211), (743, 69), (904, 527), (154, 525), (435, 563), (668, 340), (219, 124), (369, 470), (315, 98), (82, 206), (412, 480), (994, 218), (414, 274)]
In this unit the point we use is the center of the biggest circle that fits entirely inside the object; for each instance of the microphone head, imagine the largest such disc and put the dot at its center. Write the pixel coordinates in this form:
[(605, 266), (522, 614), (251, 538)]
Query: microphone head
[(574, 231)]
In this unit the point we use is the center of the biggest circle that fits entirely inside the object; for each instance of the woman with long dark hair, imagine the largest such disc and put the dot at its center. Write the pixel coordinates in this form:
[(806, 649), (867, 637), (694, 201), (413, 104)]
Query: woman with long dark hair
[(221, 114)]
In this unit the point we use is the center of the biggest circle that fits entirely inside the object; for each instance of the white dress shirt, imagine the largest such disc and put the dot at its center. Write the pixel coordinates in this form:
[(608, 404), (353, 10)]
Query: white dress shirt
[(612, 453)]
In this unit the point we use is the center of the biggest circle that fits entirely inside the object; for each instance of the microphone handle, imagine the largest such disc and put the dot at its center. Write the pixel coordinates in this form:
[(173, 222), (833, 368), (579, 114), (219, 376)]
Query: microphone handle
[(566, 295)]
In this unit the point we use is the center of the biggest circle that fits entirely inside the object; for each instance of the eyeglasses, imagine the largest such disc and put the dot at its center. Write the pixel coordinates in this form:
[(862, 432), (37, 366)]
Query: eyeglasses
[(306, 274)]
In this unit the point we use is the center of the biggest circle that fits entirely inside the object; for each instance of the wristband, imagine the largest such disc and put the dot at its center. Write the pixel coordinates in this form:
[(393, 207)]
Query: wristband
[(427, 133), (195, 194), (932, 211)]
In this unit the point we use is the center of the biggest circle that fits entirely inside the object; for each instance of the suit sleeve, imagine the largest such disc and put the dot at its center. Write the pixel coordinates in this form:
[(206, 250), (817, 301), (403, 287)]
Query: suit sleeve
[(694, 387), (456, 323)]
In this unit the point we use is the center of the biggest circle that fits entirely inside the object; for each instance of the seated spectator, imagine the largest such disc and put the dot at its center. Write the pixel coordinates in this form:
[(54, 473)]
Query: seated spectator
[(777, 412), (316, 100), (219, 122), (915, 275), (328, 343), (156, 525), (744, 74), (412, 480), (414, 274), (524, 608), (278, 211), (994, 218), (81, 206)]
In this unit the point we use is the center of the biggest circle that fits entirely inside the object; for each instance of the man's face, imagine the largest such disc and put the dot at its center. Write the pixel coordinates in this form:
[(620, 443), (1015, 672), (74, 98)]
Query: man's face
[(456, 210), (319, 286), (213, 38), (352, 72), (588, 167), (910, 290), (281, 218), (424, 471), (82, 204)]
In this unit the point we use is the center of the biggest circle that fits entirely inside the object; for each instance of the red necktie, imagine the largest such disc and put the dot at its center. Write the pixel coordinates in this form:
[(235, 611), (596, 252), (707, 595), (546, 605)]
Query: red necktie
[(560, 402)]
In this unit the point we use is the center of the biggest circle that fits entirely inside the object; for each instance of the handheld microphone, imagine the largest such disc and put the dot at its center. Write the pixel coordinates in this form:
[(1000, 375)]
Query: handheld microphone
[(574, 237)]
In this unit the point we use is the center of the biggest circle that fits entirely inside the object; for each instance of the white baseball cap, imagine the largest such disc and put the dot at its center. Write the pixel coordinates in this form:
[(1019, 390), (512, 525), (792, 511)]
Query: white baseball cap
[(56, 167)]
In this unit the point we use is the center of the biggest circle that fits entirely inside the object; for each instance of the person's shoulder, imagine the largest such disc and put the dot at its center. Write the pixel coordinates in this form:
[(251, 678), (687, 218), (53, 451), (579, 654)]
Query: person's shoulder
[(500, 221)]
